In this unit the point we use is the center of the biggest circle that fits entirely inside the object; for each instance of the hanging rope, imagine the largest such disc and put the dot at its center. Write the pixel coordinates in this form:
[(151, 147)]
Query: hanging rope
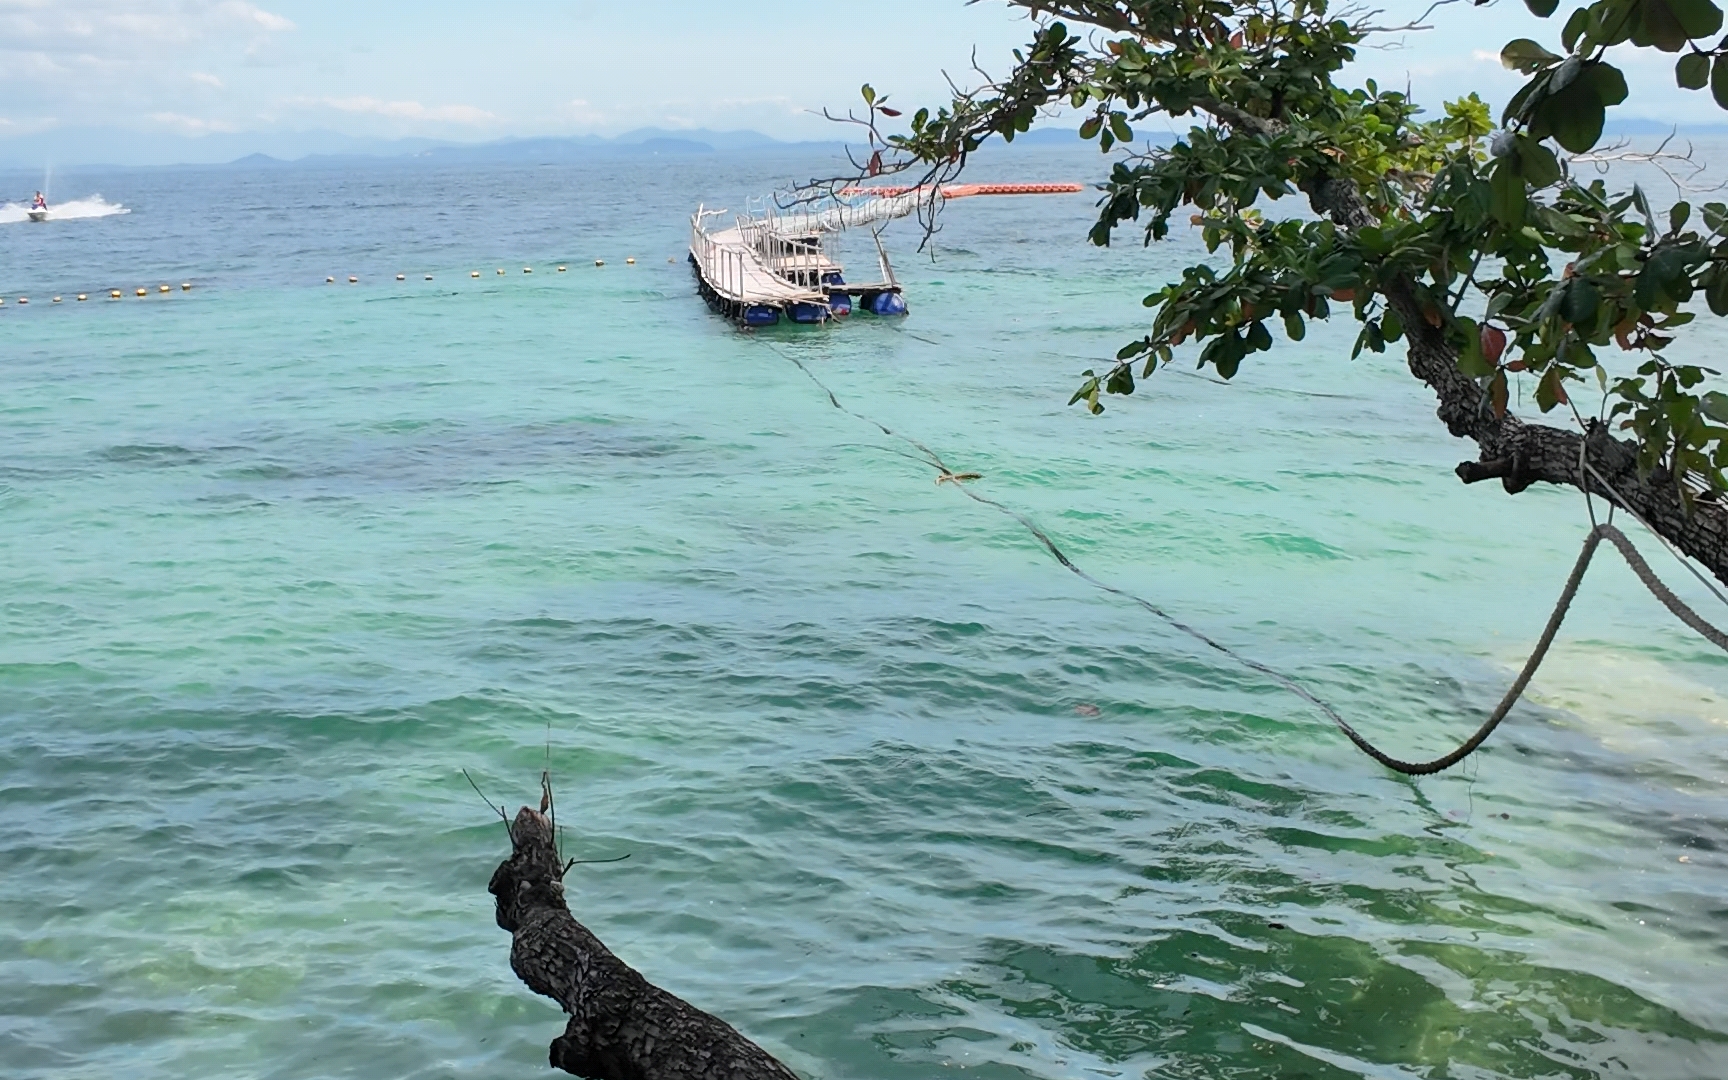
[(1601, 531)]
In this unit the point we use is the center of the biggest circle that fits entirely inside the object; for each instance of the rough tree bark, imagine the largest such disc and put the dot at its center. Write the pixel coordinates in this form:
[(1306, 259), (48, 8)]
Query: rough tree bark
[(622, 1027)]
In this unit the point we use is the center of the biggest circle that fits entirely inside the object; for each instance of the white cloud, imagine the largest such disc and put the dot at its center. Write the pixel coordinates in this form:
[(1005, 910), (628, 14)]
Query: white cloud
[(412, 110), (191, 125), (270, 21), (1485, 56), (206, 79), (83, 24)]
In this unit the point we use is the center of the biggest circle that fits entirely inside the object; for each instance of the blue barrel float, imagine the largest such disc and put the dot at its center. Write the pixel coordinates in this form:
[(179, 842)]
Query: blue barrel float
[(884, 303), (761, 315)]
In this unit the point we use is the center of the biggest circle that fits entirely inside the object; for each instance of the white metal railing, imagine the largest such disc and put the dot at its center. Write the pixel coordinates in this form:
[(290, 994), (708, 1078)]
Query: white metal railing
[(722, 268)]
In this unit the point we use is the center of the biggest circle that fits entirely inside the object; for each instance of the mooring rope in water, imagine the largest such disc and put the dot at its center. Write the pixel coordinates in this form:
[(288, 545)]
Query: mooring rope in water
[(1601, 531)]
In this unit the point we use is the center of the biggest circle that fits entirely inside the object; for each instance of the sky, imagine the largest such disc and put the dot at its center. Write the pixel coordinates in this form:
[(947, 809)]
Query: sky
[(168, 72)]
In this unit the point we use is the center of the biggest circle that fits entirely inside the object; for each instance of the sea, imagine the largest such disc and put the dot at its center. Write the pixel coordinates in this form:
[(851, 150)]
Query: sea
[(301, 580)]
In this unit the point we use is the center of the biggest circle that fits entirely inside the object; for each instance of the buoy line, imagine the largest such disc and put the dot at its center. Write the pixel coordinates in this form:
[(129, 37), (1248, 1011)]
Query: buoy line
[(329, 279), (1598, 533)]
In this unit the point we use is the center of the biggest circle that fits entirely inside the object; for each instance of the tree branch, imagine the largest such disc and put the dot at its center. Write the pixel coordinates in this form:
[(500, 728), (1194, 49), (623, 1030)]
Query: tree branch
[(622, 1027)]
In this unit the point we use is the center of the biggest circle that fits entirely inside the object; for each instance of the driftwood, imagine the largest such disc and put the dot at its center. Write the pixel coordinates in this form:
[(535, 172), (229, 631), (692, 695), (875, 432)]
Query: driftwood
[(622, 1027)]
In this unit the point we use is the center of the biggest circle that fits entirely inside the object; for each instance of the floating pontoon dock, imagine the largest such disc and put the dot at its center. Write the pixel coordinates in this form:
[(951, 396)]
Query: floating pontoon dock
[(772, 262)]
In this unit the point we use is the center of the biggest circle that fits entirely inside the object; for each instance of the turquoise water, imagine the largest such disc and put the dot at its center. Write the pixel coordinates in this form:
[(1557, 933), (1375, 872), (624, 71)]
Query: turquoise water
[(902, 798)]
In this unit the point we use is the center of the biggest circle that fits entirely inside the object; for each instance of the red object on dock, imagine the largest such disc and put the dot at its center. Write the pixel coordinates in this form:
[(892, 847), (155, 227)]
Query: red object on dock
[(961, 191)]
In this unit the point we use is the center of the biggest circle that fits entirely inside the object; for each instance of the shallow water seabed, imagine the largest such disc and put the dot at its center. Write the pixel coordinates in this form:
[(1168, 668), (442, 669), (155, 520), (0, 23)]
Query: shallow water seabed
[(902, 797)]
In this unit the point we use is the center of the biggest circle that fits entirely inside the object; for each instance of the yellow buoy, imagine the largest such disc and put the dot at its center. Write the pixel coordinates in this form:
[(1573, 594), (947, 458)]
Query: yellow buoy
[(163, 288), (143, 292), (561, 269), (474, 273), (114, 294), (83, 296), (401, 277), (629, 262)]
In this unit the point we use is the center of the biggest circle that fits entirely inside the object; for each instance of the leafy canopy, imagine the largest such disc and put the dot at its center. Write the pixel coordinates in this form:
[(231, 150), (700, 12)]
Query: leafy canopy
[(1474, 238)]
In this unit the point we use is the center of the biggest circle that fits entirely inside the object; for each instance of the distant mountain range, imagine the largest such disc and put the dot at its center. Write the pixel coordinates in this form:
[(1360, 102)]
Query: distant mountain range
[(71, 148), (93, 147)]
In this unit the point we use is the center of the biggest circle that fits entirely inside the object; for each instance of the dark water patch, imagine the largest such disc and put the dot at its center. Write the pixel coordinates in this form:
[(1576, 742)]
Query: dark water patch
[(152, 455)]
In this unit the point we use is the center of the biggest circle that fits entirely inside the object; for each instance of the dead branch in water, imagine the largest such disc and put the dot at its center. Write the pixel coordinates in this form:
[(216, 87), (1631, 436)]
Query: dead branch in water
[(622, 1027)]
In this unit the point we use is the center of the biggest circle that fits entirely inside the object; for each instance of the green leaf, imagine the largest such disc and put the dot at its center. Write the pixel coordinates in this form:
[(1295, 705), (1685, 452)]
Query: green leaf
[(1658, 26), (1391, 326), (1549, 392), (1526, 56), (1089, 129), (1697, 18), (1471, 360), (1716, 293), (869, 94), (1259, 338), (1607, 80), (1677, 216), (1509, 197), (1119, 127), (1692, 71), (1719, 81), (1715, 405), (1575, 119), (1538, 163), (1294, 328), (1565, 73), (1542, 8), (1579, 306), (1574, 27)]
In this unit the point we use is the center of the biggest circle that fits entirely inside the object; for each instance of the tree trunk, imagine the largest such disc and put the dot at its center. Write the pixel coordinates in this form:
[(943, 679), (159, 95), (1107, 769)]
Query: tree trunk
[(622, 1027)]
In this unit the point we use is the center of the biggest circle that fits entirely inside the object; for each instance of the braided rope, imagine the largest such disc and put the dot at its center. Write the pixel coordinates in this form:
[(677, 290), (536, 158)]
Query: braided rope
[(1602, 531)]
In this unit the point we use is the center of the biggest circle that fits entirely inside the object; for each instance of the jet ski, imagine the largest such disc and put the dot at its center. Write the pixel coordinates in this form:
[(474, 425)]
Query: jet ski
[(38, 214)]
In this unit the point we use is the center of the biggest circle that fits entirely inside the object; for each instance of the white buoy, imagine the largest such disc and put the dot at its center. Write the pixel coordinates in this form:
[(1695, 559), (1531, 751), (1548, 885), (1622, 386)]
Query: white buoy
[(473, 273), (23, 299), (500, 271), (401, 277), (428, 277), (329, 281), (352, 280), (599, 262), (143, 292), (561, 269), (185, 286), (56, 299), (83, 296), (163, 288), (630, 262), (527, 269)]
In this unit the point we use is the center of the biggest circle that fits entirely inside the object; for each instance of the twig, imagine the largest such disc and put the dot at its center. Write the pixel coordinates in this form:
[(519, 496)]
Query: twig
[(504, 817)]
